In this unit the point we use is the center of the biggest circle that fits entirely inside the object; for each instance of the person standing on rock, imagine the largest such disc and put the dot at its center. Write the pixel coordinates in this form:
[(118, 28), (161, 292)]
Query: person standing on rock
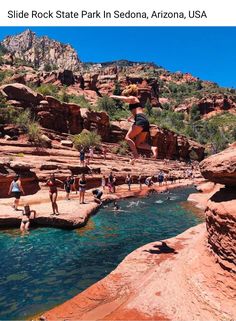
[(16, 190), (53, 192), (91, 153), (140, 181), (160, 178), (82, 188), (103, 183), (139, 132), (72, 184), (111, 183), (128, 181), (82, 156), (67, 186)]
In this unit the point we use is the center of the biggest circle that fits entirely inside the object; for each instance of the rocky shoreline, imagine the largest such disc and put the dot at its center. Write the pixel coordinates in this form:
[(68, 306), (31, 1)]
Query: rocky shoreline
[(188, 277), (72, 214), (178, 270)]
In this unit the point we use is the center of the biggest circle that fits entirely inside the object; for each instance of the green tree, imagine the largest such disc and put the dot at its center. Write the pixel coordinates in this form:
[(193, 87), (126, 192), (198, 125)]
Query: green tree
[(47, 67), (107, 104), (117, 91), (194, 113)]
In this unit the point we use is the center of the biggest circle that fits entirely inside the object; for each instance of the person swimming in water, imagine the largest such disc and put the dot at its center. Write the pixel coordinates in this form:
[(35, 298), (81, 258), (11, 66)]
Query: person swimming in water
[(25, 221), (138, 133), (116, 207)]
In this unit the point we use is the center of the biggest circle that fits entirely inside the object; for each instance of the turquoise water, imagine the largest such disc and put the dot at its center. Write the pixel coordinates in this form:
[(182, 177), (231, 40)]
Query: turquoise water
[(49, 266)]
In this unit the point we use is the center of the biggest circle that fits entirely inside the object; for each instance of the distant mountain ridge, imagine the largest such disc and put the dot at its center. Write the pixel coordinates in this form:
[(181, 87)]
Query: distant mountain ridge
[(41, 52)]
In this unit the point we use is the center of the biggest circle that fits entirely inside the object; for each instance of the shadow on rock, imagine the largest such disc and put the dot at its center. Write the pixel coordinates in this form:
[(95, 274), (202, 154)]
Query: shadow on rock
[(161, 248), (225, 194)]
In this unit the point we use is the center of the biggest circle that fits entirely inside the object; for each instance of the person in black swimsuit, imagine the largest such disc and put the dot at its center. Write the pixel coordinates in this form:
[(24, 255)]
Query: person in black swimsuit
[(139, 132)]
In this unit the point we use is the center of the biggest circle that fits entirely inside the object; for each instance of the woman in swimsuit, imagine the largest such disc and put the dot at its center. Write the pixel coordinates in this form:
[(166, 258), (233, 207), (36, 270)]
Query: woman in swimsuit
[(82, 189), (52, 183), (16, 190), (139, 131), (25, 222)]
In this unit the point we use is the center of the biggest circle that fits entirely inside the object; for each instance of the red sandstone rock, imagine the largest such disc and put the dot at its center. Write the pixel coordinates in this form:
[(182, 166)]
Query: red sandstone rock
[(153, 282), (21, 92), (221, 223), (98, 121), (221, 168)]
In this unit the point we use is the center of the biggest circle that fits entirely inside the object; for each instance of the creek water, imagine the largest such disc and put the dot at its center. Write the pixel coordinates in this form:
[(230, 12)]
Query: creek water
[(49, 266)]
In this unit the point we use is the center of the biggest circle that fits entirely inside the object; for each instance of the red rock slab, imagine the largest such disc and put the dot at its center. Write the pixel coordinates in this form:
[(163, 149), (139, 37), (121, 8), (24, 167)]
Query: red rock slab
[(221, 168), (175, 280)]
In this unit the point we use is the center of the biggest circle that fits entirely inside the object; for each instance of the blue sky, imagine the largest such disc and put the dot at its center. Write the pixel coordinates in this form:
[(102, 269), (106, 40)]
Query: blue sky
[(206, 52)]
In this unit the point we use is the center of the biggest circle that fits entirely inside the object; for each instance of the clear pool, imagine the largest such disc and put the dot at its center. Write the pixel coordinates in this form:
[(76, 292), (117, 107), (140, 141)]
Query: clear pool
[(49, 266)]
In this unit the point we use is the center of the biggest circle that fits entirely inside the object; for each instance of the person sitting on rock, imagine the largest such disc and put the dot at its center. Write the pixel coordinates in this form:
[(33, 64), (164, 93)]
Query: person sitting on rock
[(97, 196), (139, 132), (16, 190), (25, 221)]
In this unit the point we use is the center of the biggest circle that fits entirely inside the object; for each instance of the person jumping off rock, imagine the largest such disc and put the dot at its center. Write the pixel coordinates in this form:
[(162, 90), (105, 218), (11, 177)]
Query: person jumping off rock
[(138, 133)]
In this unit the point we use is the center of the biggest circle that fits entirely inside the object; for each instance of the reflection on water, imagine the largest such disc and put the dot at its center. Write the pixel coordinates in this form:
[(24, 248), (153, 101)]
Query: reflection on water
[(88, 227), (189, 206), (49, 266)]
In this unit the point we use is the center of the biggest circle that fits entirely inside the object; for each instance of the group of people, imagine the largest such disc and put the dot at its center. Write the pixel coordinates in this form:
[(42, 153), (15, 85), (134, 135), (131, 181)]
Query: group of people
[(79, 185), (86, 158), (138, 136)]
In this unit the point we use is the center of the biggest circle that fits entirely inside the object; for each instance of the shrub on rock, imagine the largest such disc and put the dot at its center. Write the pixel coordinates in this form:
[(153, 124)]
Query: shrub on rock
[(35, 134), (86, 139), (121, 149)]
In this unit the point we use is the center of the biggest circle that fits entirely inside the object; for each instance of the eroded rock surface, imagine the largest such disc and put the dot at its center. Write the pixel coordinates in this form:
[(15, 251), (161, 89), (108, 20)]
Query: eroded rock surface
[(221, 168), (176, 279)]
